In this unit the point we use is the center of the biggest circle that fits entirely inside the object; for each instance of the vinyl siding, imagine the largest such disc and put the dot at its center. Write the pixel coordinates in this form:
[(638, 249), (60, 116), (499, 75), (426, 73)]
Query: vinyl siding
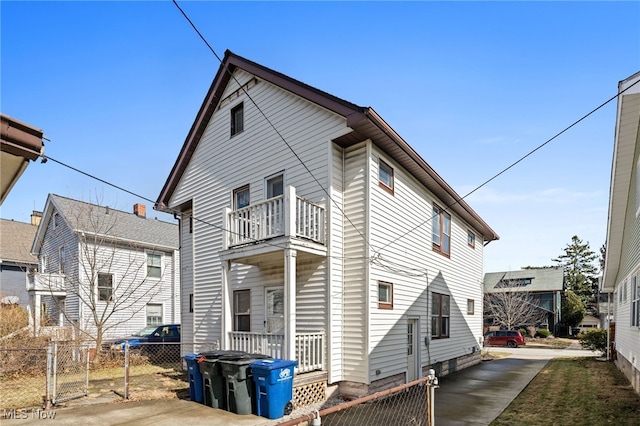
[(355, 315), (186, 279), (401, 225), (222, 163)]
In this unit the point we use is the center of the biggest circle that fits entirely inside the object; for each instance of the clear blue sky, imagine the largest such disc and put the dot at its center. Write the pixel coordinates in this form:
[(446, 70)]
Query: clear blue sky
[(472, 86)]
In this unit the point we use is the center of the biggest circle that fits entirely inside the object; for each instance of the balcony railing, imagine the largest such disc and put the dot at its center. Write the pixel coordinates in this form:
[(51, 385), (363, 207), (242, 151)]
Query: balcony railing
[(48, 282), (275, 218), (310, 347)]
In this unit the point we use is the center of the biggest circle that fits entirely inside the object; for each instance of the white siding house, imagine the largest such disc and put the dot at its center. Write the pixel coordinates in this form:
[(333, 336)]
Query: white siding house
[(318, 234), (622, 263), (104, 272)]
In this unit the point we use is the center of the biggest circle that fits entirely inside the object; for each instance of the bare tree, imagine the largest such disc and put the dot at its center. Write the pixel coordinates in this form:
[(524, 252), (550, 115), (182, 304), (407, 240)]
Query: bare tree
[(106, 275), (510, 309)]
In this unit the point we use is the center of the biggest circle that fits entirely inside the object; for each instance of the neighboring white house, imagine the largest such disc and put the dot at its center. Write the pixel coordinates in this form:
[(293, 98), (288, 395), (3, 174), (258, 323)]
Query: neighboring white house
[(99, 265), (312, 231), (622, 263)]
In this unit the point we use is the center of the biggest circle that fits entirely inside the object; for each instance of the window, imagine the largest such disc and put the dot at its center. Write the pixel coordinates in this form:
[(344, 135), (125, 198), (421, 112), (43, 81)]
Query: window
[(441, 232), (190, 302), (61, 260), (625, 291), (439, 316), (241, 197), (471, 304), (275, 185), (56, 220), (154, 265), (154, 314), (471, 239), (385, 295), (635, 301), (237, 119), (105, 287), (385, 176), (242, 310), (191, 224), (44, 261)]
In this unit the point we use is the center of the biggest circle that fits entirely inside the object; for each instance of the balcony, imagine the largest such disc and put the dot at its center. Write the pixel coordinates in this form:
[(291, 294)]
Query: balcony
[(276, 217), (48, 283), (309, 347)]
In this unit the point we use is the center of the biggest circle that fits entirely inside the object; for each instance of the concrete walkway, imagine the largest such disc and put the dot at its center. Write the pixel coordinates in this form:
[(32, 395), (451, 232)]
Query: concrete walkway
[(474, 396)]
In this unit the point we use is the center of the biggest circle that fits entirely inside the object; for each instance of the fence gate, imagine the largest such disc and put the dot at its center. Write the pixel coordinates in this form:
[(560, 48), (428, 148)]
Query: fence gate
[(67, 371)]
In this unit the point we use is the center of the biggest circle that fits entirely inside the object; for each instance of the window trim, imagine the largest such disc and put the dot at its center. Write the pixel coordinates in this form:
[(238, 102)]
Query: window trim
[(438, 217), (99, 287), (440, 317), (471, 239), (234, 124), (161, 318), (382, 165), (190, 302), (160, 255), (236, 314), (385, 304), (62, 258), (634, 310), (471, 303)]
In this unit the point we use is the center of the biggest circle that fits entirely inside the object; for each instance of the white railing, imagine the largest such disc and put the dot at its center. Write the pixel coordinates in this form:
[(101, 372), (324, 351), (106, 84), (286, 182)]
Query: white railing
[(271, 218), (42, 281), (310, 347)]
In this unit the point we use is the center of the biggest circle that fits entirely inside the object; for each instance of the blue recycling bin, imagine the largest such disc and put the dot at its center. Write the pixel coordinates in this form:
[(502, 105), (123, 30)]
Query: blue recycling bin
[(273, 379), (195, 377)]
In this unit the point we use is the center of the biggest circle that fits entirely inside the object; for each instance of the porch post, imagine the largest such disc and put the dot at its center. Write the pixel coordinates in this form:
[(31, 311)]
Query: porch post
[(290, 202), (290, 304), (226, 305)]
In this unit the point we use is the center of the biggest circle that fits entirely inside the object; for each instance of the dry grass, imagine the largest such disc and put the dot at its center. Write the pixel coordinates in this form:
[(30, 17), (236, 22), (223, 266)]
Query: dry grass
[(575, 391)]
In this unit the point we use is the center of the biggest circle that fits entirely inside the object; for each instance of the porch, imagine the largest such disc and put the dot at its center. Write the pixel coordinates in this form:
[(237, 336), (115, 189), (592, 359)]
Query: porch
[(46, 284), (309, 347)]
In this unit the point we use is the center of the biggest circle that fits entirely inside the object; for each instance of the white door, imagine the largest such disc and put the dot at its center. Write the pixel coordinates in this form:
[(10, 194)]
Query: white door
[(274, 310), (413, 350)]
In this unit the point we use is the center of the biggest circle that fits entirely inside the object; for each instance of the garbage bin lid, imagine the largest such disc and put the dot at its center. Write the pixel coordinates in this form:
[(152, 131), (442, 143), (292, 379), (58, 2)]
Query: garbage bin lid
[(272, 364)]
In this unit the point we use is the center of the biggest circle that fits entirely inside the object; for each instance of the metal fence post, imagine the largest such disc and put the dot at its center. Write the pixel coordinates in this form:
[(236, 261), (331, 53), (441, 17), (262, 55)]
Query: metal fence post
[(54, 387), (432, 384), (47, 393), (126, 370)]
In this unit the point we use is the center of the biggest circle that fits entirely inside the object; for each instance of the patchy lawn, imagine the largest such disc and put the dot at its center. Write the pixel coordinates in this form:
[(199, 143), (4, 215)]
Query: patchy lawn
[(578, 391)]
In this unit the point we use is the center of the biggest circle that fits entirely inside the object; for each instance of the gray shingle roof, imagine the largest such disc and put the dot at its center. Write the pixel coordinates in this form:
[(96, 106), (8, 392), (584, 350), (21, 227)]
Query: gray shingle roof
[(92, 218), (15, 241), (544, 279)]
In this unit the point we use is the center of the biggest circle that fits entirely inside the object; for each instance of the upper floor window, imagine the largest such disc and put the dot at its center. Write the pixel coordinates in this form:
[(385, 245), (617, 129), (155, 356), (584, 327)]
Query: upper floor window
[(242, 310), (635, 302), (385, 295), (241, 197), (154, 265), (56, 220), (43, 263), (275, 185), (441, 231), (237, 119), (105, 287), (471, 306), (439, 315), (385, 176), (61, 260), (471, 239)]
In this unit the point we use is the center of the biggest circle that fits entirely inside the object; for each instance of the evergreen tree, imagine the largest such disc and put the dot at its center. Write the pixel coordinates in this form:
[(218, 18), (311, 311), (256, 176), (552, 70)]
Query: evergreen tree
[(580, 270)]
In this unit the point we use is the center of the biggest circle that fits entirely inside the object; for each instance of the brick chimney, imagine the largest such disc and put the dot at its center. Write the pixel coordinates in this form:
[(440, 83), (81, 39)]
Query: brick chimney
[(140, 210)]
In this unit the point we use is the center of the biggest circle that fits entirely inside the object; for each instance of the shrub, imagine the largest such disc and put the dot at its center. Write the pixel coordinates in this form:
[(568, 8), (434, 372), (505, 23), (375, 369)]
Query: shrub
[(12, 318), (523, 331), (594, 339), (543, 332)]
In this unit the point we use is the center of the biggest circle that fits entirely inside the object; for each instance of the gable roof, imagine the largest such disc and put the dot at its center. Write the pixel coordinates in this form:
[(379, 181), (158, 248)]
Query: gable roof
[(543, 279), (626, 142), (364, 122), (16, 241), (123, 226)]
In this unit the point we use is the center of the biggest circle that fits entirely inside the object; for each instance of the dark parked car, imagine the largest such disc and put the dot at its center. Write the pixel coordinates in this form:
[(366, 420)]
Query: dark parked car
[(510, 338), (159, 342)]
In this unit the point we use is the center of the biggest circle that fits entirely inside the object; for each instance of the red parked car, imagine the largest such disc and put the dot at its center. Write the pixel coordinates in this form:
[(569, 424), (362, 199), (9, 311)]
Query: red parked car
[(510, 338)]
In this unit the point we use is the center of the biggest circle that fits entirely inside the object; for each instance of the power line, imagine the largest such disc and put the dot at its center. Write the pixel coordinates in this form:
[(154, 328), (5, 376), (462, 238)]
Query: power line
[(510, 166)]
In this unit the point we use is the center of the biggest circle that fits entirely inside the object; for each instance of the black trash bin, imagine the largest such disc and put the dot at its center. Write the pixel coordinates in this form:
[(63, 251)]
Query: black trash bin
[(214, 387), (236, 372)]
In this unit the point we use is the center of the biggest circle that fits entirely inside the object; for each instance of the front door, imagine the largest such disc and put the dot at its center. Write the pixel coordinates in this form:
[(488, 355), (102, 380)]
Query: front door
[(413, 350)]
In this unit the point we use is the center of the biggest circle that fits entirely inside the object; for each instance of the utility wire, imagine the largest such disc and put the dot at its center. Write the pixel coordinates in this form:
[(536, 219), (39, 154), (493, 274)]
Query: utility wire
[(273, 126), (510, 166)]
